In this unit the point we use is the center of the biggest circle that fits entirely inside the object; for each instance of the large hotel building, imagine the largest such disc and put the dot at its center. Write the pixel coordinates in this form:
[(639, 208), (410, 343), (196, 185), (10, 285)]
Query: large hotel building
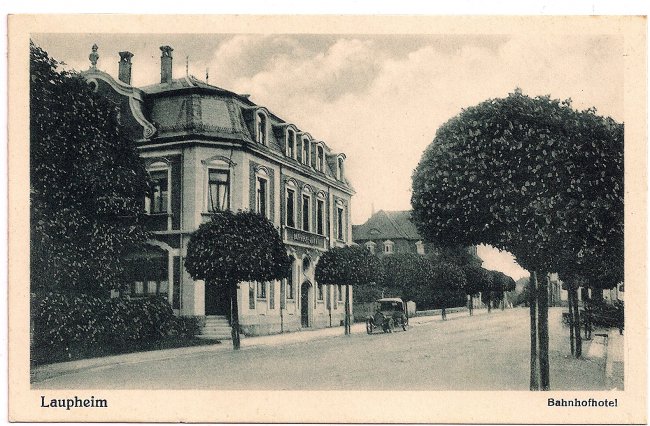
[(208, 149)]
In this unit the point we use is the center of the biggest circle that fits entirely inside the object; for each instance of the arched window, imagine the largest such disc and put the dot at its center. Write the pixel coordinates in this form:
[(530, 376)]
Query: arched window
[(291, 143), (261, 128), (320, 213), (320, 158), (320, 291), (306, 264), (306, 209), (306, 151), (339, 168), (262, 192), (290, 203), (388, 247)]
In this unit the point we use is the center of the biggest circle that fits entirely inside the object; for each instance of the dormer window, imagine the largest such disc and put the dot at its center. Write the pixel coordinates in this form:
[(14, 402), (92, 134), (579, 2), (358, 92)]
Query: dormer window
[(320, 158), (339, 168), (306, 151), (261, 128), (388, 247), (291, 143)]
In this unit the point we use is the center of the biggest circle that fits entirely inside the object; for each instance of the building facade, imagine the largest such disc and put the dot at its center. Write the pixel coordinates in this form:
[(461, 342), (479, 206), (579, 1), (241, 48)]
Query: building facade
[(208, 149)]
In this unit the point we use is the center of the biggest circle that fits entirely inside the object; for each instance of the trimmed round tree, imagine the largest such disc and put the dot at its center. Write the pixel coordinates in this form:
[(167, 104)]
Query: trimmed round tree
[(477, 280), (87, 185), (404, 275), (447, 284), (350, 265), (232, 248), (528, 175)]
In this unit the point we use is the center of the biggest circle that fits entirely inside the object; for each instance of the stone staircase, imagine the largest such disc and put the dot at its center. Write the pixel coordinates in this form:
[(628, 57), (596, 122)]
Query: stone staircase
[(216, 327)]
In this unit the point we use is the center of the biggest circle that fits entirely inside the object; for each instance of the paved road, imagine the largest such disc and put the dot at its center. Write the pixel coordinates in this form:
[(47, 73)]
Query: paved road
[(483, 352)]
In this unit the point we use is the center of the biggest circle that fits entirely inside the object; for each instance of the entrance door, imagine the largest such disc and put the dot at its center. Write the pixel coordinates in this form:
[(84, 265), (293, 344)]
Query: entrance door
[(304, 304), (216, 300)]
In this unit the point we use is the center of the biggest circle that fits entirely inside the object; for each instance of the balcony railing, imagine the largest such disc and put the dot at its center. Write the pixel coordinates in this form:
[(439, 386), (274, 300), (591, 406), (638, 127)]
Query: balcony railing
[(296, 236)]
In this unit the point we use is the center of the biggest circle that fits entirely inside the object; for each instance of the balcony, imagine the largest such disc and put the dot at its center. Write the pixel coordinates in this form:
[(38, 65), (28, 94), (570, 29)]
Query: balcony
[(304, 238)]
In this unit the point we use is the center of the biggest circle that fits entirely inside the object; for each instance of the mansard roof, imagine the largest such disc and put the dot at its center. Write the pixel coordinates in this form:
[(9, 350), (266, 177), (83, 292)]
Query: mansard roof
[(188, 106)]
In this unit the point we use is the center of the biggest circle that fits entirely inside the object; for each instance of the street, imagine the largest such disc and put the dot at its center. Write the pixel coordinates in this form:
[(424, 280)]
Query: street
[(482, 352)]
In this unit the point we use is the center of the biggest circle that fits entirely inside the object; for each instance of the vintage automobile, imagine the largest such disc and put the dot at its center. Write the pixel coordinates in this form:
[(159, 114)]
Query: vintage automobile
[(391, 313)]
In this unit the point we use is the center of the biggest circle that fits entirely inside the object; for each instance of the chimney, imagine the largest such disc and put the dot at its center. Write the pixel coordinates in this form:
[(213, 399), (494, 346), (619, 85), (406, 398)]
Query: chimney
[(124, 73), (166, 64)]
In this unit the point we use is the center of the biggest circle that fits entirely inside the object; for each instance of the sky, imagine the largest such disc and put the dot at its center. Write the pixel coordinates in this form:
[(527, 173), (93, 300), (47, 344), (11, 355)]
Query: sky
[(378, 98)]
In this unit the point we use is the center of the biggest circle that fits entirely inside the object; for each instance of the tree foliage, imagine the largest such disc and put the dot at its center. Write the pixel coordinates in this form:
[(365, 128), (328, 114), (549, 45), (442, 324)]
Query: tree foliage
[(477, 279), (351, 265), (447, 285), (404, 275), (87, 184), (531, 176), (236, 247)]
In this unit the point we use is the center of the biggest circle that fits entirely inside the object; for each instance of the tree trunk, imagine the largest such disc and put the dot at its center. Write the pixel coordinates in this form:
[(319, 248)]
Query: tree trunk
[(503, 301), (470, 304), (571, 319), (489, 302), (532, 303), (347, 309), (234, 316), (576, 320), (542, 331)]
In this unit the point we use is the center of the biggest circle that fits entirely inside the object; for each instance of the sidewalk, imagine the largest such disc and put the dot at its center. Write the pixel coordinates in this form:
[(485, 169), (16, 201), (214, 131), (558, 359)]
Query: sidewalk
[(44, 372), (614, 367)]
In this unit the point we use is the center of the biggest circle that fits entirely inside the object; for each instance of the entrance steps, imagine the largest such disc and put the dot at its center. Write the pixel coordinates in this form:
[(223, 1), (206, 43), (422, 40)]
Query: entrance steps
[(216, 327)]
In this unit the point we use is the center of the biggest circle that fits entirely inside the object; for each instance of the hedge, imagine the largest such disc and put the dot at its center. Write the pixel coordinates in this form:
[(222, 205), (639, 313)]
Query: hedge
[(69, 326)]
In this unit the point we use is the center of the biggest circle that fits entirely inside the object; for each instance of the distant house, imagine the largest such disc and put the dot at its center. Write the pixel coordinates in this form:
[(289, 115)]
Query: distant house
[(388, 232)]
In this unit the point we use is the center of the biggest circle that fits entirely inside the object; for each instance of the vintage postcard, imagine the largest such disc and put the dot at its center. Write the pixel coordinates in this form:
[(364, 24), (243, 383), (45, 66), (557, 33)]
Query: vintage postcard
[(297, 219)]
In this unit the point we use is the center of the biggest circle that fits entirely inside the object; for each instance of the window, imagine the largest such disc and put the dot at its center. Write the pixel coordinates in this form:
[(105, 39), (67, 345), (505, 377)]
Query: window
[(306, 201), (370, 246), (261, 128), (158, 202), (419, 246), (291, 143), (340, 292), (305, 152), (218, 190), (388, 247), (339, 169), (339, 223), (251, 296), (320, 158), (320, 291), (306, 263), (320, 217), (150, 274), (291, 208), (261, 290), (262, 196), (272, 295)]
